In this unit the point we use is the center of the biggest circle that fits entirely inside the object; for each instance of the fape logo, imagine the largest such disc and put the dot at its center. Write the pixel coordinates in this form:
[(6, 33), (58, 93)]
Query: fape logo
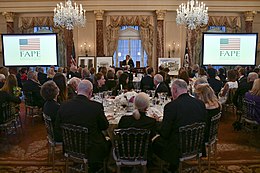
[(229, 47), (29, 47)]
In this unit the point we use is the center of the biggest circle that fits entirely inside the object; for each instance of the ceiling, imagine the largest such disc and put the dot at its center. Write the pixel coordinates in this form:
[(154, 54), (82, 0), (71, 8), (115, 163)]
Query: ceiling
[(24, 6)]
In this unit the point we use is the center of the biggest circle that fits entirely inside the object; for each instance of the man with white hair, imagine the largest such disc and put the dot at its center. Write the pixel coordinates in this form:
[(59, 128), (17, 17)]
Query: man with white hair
[(82, 111), (73, 84), (183, 110), (32, 89), (2, 80), (160, 86)]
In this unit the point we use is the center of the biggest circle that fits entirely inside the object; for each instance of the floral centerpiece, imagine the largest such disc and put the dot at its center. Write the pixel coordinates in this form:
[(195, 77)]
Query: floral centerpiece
[(126, 99)]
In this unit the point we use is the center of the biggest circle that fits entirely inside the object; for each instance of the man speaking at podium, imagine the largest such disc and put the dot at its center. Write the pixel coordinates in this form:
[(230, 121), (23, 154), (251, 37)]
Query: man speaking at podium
[(128, 61)]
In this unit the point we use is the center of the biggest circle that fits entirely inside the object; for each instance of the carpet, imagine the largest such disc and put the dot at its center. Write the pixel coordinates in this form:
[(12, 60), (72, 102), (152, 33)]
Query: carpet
[(238, 151)]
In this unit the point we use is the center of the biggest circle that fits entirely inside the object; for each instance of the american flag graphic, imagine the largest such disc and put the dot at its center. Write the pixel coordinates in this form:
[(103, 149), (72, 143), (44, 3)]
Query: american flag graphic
[(29, 44), (230, 44)]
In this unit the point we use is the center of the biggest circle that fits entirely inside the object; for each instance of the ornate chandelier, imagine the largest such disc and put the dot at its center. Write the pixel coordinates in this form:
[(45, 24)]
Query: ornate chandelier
[(192, 14), (69, 16)]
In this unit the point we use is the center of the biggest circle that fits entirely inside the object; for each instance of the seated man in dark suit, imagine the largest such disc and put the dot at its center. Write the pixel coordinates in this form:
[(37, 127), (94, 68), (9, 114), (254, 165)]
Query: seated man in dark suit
[(42, 77), (160, 86), (183, 110), (128, 61), (147, 81), (81, 111), (215, 84), (33, 86)]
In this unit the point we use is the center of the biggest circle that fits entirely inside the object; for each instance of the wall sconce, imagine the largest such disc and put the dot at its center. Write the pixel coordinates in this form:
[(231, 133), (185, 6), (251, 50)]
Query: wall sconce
[(172, 49), (84, 49)]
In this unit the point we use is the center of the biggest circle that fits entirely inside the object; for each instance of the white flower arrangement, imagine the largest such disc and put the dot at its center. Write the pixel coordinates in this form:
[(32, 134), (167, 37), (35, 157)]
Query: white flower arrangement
[(125, 98)]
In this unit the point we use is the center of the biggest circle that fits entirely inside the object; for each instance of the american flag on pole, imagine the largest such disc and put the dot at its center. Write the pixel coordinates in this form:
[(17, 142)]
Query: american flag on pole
[(230, 44), (29, 44)]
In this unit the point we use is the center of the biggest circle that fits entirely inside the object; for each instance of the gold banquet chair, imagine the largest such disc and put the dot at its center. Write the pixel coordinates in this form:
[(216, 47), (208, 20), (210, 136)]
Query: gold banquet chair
[(212, 140), (51, 141), (191, 140), (131, 146)]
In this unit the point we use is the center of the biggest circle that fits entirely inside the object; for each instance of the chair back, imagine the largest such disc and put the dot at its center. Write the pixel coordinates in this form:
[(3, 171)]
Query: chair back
[(28, 97), (213, 129), (131, 144), (249, 109), (75, 141), (230, 95), (49, 128), (191, 140), (8, 116)]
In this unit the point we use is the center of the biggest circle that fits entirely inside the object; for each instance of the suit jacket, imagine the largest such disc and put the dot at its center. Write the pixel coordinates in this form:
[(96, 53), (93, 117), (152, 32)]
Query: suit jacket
[(182, 111), (50, 109), (34, 87), (162, 87), (215, 84), (81, 111), (243, 87), (144, 122), (130, 63), (42, 77), (110, 84), (5, 97), (147, 83)]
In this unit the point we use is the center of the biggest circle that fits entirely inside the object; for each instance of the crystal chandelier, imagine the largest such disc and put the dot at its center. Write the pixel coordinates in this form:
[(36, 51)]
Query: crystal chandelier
[(192, 14), (68, 15)]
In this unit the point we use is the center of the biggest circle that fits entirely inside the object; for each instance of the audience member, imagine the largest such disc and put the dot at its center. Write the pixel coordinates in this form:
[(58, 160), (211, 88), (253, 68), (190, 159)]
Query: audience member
[(2, 80), (183, 110), (215, 84), (254, 95), (50, 92), (92, 71), (73, 87), (4, 71), (110, 82), (33, 86), (147, 81), (42, 77), (222, 76), (206, 94), (118, 74), (61, 82), (241, 76), (86, 74), (50, 73), (160, 86), (230, 84), (82, 111), (139, 119), (244, 87), (99, 83)]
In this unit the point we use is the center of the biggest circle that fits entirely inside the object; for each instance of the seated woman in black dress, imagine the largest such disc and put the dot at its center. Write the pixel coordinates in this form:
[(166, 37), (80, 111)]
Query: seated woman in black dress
[(123, 84), (50, 92), (110, 82), (206, 94), (139, 119), (99, 83)]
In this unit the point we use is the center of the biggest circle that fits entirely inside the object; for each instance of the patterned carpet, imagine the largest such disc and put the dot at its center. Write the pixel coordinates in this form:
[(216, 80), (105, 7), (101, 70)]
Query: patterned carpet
[(238, 151)]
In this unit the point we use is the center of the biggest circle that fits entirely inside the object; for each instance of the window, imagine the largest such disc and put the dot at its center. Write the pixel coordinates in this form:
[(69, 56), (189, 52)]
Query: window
[(130, 43), (43, 29)]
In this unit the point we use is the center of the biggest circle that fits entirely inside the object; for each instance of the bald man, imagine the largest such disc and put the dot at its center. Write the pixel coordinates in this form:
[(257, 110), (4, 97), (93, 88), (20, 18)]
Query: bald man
[(82, 111)]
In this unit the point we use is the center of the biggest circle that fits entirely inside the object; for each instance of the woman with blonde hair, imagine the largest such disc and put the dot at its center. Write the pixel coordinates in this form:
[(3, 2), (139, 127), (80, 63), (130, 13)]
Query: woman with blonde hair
[(11, 85), (206, 94), (254, 95)]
